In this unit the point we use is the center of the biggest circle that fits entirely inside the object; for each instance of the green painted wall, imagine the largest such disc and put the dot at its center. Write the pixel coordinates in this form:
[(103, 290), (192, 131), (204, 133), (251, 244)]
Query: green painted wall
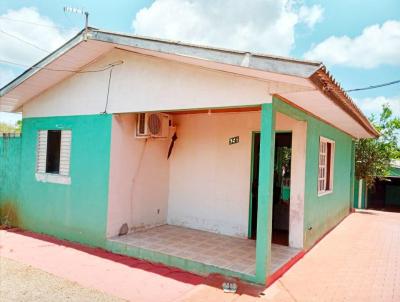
[(78, 211), (322, 213), (10, 156), (356, 192)]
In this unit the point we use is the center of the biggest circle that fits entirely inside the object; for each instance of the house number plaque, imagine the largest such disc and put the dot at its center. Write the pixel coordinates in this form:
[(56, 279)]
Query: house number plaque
[(233, 140)]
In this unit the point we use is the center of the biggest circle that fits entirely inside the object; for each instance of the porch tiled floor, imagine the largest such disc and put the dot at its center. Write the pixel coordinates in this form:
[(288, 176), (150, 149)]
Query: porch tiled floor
[(235, 254)]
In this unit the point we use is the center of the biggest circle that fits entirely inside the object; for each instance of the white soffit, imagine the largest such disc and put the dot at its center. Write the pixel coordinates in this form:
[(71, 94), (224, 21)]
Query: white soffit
[(74, 59), (316, 103)]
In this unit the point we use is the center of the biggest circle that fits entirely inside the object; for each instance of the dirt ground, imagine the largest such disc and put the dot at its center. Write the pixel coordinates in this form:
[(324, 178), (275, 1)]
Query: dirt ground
[(20, 282)]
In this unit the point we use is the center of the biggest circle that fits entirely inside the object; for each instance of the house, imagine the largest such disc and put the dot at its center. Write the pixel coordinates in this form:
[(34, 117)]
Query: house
[(383, 195), (207, 159)]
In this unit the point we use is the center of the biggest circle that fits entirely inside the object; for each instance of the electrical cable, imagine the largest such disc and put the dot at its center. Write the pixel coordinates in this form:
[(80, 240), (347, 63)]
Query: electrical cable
[(374, 86), (23, 41), (65, 70), (108, 91)]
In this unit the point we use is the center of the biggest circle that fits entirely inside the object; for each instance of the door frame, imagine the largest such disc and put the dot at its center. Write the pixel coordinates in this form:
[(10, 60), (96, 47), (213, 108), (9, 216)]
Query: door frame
[(249, 228), (250, 220)]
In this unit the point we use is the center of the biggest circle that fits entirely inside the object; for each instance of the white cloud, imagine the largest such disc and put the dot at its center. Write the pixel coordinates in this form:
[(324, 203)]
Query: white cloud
[(373, 105), (47, 36), (257, 25), (376, 45), (311, 15)]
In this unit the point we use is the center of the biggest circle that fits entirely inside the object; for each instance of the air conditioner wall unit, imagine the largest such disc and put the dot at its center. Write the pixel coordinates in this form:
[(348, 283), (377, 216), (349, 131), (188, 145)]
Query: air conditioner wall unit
[(153, 124)]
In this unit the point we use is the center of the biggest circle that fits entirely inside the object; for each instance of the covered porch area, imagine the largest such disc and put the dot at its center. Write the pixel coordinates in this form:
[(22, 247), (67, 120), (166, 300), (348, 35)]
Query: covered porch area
[(208, 206), (237, 255)]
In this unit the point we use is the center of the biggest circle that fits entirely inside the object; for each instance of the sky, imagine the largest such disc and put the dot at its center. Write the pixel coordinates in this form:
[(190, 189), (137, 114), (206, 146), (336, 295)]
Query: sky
[(358, 41)]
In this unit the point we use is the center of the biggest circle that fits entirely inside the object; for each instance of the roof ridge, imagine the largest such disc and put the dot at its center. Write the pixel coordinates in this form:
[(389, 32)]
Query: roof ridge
[(237, 51)]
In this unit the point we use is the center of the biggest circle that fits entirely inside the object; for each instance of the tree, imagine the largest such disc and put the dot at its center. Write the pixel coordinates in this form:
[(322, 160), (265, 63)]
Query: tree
[(373, 156), (8, 128), (18, 126)]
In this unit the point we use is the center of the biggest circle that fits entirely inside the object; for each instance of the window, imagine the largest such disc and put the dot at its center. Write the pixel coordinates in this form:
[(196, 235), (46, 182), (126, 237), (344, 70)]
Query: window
[(325, 167), (53, 156), (53, 151)]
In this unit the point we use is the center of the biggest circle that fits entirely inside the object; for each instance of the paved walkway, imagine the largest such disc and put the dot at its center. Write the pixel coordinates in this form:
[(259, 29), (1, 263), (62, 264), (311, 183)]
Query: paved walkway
[(358, 261)]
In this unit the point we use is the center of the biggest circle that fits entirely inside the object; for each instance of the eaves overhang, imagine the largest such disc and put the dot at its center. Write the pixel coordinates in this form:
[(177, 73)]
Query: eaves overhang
[(78, 38), (310, 73), (331, 88), (244, 60), (268, 63)]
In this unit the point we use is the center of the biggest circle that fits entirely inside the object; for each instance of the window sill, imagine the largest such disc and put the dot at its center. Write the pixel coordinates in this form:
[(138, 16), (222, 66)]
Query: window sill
[(53, 178), (325, 193)]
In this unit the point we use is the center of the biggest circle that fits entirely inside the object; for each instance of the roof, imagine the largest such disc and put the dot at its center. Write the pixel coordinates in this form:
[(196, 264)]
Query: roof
[(65, 61)]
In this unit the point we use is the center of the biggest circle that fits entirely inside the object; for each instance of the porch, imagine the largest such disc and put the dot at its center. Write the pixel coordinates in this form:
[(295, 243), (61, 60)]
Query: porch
[(194, 202), (229, 253)]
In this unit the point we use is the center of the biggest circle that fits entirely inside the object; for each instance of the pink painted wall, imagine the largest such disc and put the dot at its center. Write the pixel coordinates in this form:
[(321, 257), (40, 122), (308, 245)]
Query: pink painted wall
[(206, 182), (210, 179), (139, 178), (204, 185)]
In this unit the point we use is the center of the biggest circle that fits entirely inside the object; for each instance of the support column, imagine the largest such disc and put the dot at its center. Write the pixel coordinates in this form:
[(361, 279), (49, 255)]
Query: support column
[(265, 192), (352, 175)]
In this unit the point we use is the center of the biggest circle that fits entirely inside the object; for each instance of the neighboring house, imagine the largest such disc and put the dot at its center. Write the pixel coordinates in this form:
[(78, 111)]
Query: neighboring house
[(384, 194), (261, 169)]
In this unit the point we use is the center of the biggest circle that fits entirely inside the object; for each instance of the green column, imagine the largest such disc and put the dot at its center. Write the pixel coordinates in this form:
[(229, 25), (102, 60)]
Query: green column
[(352, 175), (265, 190)]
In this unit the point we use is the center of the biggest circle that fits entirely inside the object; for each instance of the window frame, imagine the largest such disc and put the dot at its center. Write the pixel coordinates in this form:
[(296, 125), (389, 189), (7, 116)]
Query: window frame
[(63, 175), (331, 165)]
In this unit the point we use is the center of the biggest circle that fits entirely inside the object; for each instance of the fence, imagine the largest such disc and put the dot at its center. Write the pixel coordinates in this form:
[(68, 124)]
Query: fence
[(10, 164)]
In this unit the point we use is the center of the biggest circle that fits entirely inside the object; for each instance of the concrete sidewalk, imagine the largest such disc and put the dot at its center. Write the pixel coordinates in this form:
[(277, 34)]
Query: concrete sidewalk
[(358, 261)]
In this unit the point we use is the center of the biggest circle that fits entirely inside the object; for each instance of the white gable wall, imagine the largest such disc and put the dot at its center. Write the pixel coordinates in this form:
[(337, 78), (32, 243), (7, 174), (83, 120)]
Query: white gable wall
[(146, 83)]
